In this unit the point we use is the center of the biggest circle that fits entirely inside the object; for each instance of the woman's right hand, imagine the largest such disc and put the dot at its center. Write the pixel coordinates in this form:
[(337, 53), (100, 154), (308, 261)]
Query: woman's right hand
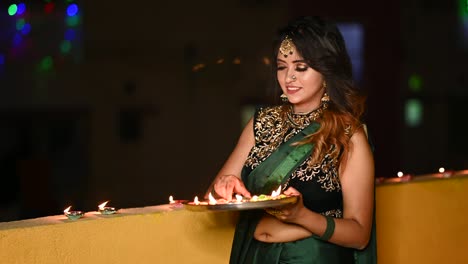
[(225, 185)]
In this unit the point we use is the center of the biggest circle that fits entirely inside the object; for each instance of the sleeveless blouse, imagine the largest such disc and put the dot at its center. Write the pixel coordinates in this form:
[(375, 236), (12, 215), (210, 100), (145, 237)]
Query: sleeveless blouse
[(318, 183), (320, 187)]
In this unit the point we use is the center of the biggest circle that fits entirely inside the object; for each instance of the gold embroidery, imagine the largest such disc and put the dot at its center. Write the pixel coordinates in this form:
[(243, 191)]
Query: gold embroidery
[(271, 130)]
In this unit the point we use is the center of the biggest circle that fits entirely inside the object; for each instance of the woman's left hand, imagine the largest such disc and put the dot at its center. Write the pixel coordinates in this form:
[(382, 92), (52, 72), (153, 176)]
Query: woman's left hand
[(291, 212)]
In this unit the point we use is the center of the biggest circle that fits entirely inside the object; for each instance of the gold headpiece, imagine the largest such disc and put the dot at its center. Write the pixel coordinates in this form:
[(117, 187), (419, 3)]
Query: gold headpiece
[(286, 47)]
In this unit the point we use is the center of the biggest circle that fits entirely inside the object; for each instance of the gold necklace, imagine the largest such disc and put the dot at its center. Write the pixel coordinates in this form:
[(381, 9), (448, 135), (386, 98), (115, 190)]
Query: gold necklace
[(312, 115)]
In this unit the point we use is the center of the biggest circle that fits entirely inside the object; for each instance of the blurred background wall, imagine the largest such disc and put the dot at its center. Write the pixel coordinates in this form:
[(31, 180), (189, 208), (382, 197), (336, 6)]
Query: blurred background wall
[(135, 101)]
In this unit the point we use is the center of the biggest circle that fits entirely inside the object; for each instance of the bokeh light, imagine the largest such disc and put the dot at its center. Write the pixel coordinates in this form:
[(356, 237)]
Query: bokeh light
[(12, 9), (72, 10), (21, 9), (46, 63), (415, 83), (49, 8), (70, 34), (20, 24), (26, 29), (72, 21), (413, 112), (17, 39), (65, 46)]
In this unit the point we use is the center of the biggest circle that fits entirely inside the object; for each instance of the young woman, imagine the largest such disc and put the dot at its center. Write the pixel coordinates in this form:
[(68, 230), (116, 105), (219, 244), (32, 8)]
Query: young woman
[(332, 170)]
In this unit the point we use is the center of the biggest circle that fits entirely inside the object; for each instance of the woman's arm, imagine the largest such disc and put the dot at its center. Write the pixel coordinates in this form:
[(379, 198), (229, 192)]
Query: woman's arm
[(272, 230), (357, 182), (228, 180)]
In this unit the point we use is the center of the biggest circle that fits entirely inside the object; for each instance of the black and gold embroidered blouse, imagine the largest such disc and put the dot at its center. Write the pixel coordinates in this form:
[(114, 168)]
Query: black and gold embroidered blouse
[(318, 183)]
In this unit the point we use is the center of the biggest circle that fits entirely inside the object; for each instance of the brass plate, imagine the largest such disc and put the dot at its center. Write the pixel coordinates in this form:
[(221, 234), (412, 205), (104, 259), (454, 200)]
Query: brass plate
[(237, 206)]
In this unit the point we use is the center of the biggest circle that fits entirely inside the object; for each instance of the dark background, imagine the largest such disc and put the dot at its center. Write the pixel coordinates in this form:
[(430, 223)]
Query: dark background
[(133, 101)]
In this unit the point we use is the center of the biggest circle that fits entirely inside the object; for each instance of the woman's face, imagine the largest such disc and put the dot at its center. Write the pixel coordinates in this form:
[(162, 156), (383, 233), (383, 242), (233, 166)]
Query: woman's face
[(300, 83)]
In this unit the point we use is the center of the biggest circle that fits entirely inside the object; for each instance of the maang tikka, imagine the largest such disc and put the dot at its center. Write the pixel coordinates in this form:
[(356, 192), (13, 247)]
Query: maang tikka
[(286, 48)]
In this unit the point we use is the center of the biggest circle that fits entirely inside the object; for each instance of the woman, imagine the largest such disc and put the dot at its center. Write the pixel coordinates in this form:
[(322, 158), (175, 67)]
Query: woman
[(332, 169)]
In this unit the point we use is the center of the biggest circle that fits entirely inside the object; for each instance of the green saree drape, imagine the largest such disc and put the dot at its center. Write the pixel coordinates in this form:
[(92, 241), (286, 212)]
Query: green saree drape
[(266, 177)]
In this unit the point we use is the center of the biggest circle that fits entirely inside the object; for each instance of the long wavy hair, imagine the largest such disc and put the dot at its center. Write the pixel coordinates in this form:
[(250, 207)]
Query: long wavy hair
[(321, 45)]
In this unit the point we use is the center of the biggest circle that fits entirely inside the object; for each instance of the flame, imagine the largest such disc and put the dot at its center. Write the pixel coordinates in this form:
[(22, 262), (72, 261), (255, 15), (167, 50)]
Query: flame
[(239, 198), (276, 193), (195, 200), (171, 199), (212, 199), (101, 206), (66, 210)]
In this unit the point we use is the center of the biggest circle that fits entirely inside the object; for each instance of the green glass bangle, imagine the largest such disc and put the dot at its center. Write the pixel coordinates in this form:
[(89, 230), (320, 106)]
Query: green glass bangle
[(329, 230)]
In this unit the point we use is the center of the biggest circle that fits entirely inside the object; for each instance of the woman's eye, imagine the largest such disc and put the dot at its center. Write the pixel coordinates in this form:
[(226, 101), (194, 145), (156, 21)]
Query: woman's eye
[(301, 68), (279, 68)]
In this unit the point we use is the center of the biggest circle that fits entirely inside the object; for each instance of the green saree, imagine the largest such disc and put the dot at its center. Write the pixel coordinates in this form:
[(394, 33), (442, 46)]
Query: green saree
[(266, 177)]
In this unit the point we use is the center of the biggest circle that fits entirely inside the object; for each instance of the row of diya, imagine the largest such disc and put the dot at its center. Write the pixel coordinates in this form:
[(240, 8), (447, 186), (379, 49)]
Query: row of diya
[(102, 209), (105, 210)]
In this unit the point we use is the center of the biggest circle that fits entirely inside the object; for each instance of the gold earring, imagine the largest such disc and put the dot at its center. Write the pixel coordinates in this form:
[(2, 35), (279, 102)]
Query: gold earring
[(284, 98), (325, 98)]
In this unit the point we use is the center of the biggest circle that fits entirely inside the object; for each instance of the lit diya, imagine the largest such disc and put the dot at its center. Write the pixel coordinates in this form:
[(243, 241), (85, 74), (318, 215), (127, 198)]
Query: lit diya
[(73, 215), (175, 203), (105, 210)]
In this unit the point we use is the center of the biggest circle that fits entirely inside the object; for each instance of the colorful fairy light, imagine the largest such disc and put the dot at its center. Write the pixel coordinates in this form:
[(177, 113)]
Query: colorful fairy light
[(70, 34), (65, 46), (26, 29), (72, 10), (46, 63), (49, 8), (17, 39), (21, 8), (20, 24), (72, 21), (413, 112), (12, 9)]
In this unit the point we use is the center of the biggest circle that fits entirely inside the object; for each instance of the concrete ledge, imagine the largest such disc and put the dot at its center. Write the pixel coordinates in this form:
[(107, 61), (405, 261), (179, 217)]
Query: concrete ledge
[(417, 222), (156, 234)]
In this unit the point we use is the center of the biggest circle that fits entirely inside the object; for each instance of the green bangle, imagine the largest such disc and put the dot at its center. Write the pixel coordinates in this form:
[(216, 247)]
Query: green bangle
[(329, 230)]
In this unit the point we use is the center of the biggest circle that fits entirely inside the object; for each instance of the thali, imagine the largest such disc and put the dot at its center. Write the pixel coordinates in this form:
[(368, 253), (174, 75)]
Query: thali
[(242, 205)]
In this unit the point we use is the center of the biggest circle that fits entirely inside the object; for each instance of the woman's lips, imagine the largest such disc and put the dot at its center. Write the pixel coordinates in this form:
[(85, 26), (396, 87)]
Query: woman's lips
[(292, 89)]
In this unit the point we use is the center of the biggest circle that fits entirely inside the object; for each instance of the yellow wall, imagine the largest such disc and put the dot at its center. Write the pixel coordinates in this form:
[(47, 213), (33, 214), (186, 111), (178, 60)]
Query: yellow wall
[(417, 222), (159, 237), (423, 222)]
